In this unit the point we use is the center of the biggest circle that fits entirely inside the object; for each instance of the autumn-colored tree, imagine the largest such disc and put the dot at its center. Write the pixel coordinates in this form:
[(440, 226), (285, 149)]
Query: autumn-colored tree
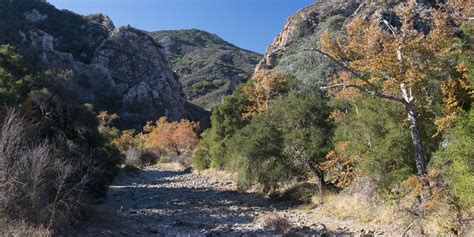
[(105, 119), (340, 166), (265, 87), (171, 138), (458, 94), (160, 136), (401, 63), (125, 141), (185, 136)]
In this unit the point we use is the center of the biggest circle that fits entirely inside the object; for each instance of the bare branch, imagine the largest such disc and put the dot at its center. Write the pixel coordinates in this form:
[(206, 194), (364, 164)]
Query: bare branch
[(364, 90), (344, 67), (392, 29)]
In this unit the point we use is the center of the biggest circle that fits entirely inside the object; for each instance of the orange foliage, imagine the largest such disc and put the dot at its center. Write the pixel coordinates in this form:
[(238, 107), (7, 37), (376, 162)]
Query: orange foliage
[(265, 87), (403, 63), (171, 138), (455, 93), (184, 136), (340, 166), (337, 115), (126, 140), (159, 137), (105, 119)]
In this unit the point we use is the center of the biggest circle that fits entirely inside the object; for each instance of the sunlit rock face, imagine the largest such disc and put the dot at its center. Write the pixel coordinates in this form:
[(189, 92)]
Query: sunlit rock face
[(138, 66), (291, 52), (305, 23)]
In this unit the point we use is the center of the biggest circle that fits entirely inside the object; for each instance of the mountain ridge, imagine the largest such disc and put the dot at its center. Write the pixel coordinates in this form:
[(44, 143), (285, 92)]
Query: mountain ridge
[(208, 66)]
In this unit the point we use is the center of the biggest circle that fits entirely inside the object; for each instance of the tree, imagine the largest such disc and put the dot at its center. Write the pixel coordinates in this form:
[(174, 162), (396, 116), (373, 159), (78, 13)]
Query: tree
[(172, 138), (226, 120), (14, 81), (160, 137), (287, 142), (264, 88), (256, 151), (184, 136), (371, 141), (402, 63), (106, 119), (306, 130), (125, 141)]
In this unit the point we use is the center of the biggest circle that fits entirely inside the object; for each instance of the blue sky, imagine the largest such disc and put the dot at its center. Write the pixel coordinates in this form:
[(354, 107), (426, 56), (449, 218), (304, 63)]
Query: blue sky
[(249, 24)]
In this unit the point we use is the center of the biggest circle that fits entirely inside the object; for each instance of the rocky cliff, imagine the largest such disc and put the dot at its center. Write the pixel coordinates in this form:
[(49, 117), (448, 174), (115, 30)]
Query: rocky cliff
[(120, 70), (142, 75), (291, 52), (208, 67)]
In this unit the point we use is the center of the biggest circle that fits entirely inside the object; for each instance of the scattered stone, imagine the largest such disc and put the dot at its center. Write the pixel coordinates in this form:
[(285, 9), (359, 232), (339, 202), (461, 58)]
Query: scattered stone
[(319, 227), (174, 207), (153, 230)]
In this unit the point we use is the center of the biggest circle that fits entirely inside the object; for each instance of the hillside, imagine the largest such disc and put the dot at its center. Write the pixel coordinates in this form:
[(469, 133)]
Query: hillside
[(352, 97), (120, 70), (207, 66), (357, 121)]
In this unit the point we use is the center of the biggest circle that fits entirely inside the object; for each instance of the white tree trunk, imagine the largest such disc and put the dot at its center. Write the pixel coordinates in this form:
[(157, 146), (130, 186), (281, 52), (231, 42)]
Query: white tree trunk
[(415, 133)]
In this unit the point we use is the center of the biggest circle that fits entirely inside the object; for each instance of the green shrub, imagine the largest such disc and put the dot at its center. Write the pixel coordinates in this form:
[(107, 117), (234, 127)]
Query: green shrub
[(455, 161), (226, 120), (287, 142), (202, 157), (377, 134)]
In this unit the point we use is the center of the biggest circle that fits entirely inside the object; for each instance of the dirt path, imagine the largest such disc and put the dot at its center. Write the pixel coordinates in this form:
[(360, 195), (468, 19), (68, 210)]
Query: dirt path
[(161, 202)]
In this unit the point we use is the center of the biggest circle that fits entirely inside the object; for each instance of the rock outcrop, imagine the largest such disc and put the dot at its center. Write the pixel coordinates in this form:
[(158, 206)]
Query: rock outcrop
[(102, 20), (122, 70), (291, 51), (139, 68), (305, 23), (208, 67)]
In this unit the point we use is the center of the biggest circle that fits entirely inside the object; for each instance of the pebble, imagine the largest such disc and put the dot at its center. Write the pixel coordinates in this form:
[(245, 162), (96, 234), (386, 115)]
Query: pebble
[(184, 204)]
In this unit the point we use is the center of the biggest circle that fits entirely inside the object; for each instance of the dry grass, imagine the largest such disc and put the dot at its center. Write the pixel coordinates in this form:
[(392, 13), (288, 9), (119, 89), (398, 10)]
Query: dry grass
[(20, 229), (175, 166), (223, 176), (272, 221), (357, 207)]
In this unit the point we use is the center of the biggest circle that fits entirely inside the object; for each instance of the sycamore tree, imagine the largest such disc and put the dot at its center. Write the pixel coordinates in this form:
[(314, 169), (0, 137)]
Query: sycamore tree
[(401, 62), (266, 86), (173, 138)]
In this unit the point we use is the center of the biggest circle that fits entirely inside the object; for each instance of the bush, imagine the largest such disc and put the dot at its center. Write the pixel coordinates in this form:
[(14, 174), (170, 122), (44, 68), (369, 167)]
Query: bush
[(286, 143), (202, 158), (36, 182), (226, 120), (455, 162), (140, 157), (373, 137)]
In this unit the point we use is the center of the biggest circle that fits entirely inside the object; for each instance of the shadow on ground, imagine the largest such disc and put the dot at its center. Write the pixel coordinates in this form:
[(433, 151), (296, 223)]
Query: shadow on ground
[(172, 203)]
